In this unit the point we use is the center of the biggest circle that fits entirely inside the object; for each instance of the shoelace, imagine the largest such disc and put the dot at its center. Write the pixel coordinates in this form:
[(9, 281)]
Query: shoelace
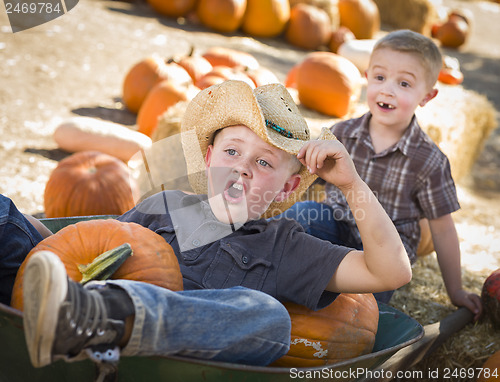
[(95, 313)]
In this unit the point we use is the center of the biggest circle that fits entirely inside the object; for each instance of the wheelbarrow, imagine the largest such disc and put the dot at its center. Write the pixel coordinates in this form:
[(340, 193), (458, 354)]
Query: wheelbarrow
[(400, 343)]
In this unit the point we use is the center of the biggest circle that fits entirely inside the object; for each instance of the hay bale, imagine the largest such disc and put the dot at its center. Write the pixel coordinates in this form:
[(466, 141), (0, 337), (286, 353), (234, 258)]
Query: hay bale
[(329, 6), (169, 123), (417, 15), (459, 121)]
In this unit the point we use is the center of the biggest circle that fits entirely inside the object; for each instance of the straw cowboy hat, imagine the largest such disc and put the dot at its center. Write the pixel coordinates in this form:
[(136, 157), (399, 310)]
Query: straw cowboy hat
[(269, 111)]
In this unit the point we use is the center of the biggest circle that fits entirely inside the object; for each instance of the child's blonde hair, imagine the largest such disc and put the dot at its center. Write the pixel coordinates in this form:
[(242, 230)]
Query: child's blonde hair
[(422, 47)]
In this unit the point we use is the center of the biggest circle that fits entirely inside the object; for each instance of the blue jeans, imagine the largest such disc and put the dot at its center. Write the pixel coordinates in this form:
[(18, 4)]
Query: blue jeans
[(237, 325), (318, 219), (17, 238)]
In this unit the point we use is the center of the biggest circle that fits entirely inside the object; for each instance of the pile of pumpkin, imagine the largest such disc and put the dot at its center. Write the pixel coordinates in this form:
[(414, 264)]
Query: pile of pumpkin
[(96, 180), (305, 25)]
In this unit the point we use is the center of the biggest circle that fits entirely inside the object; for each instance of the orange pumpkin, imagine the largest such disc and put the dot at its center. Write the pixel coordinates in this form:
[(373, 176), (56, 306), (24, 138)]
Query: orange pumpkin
[(196, 65), (309, 27), (153, 260), (328, 83), (262, 76), (224, 16), (291, 77), (159, 99), (220, 74), (343, 330), (490, 296), (453, 33), (362, 17), (490, 369), (177, 8), (222, 56), (89, 183), (145, 74), (265, 18), (339, 36)]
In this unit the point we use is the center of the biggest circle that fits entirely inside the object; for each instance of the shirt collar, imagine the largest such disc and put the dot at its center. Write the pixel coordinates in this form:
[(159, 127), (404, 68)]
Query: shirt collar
[(408, 144)]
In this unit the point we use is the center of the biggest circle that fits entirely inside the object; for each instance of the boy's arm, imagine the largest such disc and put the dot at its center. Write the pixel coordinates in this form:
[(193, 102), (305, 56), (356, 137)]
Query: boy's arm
[(446, 245), (383, 264)]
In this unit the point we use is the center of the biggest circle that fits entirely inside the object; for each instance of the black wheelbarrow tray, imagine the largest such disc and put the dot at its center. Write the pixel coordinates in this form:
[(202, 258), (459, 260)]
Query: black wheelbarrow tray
[(400, 342)]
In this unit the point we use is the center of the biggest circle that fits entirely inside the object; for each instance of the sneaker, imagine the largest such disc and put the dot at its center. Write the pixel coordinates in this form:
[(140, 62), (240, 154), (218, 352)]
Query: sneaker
[(62, 318)]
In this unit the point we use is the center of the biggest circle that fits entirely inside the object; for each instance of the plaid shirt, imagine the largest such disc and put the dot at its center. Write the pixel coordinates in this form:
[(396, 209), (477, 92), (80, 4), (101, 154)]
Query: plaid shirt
[(411, 179)]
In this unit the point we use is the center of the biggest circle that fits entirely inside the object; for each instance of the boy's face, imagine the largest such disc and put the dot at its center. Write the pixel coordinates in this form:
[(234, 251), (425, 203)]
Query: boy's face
[(245, 174), (397, 84)]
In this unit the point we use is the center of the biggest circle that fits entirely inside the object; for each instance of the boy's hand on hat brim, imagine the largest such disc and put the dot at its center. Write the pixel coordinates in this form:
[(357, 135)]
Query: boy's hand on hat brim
[(330, 161)]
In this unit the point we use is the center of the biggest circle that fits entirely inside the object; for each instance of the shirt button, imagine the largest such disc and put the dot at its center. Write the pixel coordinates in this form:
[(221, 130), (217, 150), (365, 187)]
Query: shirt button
[(244, 259), (196, 242)]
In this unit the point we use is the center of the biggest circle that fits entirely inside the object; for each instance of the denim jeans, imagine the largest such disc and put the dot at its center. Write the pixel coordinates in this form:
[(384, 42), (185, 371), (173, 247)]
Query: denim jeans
[(17, 238), (237, 324), (318, 219)]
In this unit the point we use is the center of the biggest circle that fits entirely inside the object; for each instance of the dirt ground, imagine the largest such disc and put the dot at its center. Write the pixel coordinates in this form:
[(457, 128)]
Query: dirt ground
[(75, 65)]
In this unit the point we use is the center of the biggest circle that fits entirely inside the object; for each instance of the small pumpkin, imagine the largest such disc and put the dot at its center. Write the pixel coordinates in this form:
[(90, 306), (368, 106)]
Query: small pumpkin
[(265, 18), (262, 76), (491, 369), (291, 77), (145, 74), (177, 8), (224, 16), (220, 74), (362, 17), (453, 33), (153, 260), (89, 183), (309, 27), (195, 64), (159, 99), (343, 330), (490, 296), (340, 36), (328, 83), (223, 56)]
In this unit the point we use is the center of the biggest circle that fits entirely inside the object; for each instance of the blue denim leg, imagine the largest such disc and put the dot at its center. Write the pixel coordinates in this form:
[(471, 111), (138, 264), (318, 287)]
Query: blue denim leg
[(17, 238), (237, 325), (318, 219)]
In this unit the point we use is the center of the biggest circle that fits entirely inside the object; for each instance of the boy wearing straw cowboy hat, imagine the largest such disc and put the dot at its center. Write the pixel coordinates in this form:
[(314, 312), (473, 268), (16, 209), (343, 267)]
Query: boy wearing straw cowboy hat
[(249, 157)]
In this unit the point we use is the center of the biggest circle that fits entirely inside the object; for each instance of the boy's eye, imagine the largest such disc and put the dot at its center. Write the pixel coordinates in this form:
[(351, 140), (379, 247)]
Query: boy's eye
[(405, 84), (379, 78), (231, 151), (263, 163)]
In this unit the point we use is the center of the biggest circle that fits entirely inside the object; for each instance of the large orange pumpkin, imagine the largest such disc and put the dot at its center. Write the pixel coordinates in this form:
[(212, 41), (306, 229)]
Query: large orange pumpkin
[(159, 99), (89, 183), (195, 64), (362, 17), (309, 27), (153, 260), (145, 74), (343, 330), (328, 83), (265, 18), (224, 16)]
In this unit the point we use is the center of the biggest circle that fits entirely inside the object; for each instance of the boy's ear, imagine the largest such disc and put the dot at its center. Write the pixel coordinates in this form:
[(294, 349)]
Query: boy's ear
[(290, 186), (429, 96), (208, 155)]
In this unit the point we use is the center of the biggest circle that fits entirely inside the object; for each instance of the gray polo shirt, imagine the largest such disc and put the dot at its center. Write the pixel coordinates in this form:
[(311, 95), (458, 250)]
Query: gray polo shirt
[(275, 256)]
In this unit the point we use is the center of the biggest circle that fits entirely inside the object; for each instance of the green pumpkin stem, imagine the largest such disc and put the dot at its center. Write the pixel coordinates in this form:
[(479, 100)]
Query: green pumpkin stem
[(104, 265)]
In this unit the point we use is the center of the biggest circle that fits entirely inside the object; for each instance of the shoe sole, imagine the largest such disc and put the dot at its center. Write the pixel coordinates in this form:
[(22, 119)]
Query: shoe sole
[(44, 289)]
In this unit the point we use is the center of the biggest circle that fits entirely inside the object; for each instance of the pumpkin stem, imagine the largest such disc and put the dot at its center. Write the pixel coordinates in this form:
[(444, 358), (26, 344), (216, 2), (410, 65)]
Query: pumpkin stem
[(104, 265)]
